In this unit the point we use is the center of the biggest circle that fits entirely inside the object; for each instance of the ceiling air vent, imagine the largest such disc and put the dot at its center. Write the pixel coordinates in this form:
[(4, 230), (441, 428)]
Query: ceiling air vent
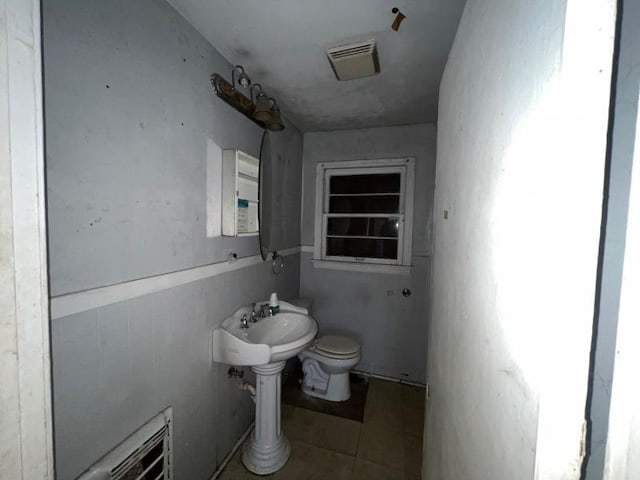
[(356, 60)]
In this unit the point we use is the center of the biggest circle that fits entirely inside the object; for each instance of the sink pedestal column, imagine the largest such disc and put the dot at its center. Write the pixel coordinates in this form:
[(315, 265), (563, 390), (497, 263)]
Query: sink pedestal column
[(267, 450)]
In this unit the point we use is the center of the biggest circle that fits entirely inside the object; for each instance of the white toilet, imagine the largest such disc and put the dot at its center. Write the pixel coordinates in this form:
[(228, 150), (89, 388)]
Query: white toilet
[(326, 364)]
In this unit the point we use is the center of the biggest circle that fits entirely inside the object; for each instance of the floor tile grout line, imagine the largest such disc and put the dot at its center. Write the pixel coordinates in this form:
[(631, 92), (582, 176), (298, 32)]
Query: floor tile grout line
[(408, 435), (322, 448)]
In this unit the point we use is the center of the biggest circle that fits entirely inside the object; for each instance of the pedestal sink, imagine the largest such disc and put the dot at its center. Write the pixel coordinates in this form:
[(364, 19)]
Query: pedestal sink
[(265, 345)]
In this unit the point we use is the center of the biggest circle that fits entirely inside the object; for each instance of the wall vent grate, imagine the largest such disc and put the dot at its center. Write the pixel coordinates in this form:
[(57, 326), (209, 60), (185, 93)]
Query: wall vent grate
[(341, 52), (144, 455)]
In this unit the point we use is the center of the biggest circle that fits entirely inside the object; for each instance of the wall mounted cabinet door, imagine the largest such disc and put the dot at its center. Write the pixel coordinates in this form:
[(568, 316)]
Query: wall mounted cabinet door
[(240, 180)]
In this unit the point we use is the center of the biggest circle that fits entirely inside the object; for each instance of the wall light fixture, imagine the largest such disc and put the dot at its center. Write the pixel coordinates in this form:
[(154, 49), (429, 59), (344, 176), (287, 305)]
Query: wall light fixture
[(263, 110), (243, 80)]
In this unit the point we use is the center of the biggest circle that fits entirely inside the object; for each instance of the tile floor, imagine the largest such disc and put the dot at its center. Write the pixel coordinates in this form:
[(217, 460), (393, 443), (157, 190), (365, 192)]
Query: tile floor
[(386, 446)]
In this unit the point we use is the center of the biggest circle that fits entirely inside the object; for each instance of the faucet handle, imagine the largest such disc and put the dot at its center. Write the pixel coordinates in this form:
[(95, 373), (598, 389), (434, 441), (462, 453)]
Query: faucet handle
[(253, 315), (244, 321), (263, 311)]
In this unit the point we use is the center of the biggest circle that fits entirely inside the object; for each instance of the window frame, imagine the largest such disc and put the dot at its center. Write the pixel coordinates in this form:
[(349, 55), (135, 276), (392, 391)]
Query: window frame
[(324, 171)]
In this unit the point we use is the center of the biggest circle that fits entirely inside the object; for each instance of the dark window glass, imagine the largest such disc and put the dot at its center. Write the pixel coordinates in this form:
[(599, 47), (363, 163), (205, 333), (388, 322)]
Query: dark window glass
[(347, 226), (365, 204), (360, 247), (358, 226), (372, 183)]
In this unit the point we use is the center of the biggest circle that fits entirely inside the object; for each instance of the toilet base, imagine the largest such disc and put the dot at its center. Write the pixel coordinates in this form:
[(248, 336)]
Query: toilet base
[(338, 388)]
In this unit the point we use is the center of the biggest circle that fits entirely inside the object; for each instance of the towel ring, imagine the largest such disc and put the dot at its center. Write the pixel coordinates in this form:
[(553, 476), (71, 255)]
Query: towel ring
[(277, 263)]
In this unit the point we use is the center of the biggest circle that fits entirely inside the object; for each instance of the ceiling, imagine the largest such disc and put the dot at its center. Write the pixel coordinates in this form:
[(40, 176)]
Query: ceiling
[(281, 44)]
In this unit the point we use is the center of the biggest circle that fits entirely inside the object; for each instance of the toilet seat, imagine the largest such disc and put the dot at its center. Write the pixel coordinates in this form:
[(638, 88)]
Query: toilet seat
[(334, 346)]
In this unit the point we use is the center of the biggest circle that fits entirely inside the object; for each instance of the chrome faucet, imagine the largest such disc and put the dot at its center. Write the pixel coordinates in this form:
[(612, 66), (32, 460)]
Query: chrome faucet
[(264, 311), (253, 315)]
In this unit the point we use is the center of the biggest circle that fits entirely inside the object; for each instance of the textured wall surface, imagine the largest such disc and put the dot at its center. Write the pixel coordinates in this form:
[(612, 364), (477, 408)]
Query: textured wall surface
[(117, 366), (367, 306), (520, 174), (129, 111)]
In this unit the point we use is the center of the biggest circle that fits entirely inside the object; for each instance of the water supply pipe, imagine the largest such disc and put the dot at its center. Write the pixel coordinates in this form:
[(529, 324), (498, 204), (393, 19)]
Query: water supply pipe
[(249, 387)]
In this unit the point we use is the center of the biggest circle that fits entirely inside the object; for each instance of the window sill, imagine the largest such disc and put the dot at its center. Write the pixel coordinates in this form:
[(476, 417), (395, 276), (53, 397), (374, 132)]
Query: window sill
[(363, 267)]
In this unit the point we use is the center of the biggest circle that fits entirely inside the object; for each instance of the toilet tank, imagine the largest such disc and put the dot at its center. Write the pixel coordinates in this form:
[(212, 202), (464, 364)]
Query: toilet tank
[(303, 302)]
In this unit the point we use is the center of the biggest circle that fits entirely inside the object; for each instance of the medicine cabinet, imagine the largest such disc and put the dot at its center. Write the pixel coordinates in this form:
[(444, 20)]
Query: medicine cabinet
[(240, 189)]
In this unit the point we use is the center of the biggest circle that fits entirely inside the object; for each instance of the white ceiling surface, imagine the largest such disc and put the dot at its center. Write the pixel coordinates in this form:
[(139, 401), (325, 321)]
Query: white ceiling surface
[(282, 43)]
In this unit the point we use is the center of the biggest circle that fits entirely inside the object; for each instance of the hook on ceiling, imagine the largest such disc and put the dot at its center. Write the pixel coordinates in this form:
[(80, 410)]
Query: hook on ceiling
[(399, 18)]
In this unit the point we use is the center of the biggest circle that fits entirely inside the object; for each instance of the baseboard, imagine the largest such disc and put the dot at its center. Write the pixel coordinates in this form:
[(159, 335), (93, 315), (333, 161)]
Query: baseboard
[(389, 379), (233, 451)]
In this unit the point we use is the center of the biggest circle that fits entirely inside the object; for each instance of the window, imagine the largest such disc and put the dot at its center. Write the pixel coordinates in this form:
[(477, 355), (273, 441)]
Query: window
[(364, 213)]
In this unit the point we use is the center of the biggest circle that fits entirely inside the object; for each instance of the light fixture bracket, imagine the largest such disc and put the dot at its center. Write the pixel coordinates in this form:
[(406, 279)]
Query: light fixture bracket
[(225, 91)]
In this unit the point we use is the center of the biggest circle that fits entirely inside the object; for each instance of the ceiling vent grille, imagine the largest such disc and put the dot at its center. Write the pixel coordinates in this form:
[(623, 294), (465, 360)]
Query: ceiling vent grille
[(145, 455), (353, 61)]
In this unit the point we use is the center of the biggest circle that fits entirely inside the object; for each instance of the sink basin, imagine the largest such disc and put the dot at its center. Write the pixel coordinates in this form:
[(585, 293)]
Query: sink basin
[(269, 340), (264, 346)]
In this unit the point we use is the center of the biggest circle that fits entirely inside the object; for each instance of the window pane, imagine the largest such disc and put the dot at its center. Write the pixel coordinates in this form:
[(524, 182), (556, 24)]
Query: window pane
[(359, 247), (384, 227), (372, 183), (358, 226), (365, 204), (347, 226)]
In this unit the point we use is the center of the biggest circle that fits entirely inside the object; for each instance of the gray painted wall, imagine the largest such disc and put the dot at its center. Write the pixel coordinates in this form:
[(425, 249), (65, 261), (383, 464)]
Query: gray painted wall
[(129, 110), (128, 114), (520, 172), (117, 366), (624, 130), (370, 307)]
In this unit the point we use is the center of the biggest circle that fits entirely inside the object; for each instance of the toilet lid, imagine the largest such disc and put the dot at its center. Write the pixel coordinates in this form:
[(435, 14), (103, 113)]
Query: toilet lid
[(337, 345)]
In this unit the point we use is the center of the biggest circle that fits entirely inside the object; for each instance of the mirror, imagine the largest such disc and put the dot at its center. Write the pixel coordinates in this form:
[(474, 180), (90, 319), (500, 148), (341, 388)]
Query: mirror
[(264, 196)]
